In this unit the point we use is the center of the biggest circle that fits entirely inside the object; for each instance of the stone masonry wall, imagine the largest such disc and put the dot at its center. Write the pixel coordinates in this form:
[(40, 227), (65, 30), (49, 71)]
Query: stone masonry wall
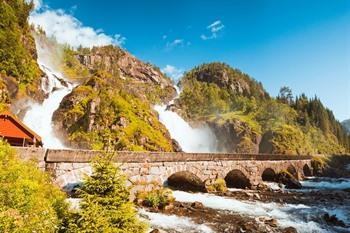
[(148, 169)]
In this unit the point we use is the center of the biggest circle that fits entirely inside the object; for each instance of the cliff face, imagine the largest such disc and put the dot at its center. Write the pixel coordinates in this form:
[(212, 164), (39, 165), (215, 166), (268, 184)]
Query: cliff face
[(112, 106), (143, 78)]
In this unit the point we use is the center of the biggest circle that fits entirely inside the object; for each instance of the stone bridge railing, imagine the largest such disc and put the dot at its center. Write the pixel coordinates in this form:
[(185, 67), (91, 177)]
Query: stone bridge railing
[(68, 167)]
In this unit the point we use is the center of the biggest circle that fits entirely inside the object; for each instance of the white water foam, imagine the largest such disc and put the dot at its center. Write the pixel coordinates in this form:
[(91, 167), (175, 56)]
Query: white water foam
[(274, 186), (302, 217), (173, 222), (190, 139), (56, 87), (39, 116), (326, 183)]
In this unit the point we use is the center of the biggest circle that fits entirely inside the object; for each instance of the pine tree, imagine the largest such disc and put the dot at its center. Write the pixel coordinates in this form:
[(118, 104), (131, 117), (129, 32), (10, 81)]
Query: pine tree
[(105, 205), (285, 96)]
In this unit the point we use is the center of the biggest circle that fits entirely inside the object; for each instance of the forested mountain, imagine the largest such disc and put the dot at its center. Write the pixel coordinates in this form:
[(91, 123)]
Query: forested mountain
[(246, 119)]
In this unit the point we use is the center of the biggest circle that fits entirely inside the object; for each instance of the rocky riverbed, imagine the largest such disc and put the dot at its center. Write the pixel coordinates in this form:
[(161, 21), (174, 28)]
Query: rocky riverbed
[(323, 205)]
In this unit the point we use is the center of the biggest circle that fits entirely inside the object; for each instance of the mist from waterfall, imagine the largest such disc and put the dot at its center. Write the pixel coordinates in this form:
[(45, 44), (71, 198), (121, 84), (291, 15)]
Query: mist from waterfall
[(56, 87), (191, 140)]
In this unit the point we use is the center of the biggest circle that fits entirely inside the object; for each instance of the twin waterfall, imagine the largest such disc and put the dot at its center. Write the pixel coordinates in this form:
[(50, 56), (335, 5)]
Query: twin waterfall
[(56, 87)]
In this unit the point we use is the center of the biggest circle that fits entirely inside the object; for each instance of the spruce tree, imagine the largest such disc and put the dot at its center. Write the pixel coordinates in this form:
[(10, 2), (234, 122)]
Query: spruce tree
[(105, 205)]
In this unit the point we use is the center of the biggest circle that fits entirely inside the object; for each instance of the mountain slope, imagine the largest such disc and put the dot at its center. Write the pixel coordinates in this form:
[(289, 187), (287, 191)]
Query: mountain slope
[(246, 120), (20, 74)]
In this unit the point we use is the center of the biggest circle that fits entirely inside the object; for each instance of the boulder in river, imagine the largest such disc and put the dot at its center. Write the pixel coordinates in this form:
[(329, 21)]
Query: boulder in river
[(333, 220), (288, 180)]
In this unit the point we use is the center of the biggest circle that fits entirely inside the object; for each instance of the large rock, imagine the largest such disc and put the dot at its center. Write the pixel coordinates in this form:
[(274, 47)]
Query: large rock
[(288, 180), (235, 136)]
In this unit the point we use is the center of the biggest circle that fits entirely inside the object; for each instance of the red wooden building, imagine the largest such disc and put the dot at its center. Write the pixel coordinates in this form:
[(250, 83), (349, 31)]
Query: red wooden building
[(16, 133)]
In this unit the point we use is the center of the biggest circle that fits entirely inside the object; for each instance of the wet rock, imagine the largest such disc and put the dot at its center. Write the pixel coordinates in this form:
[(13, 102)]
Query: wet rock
[(333, 220), (257, 196), (197, 205), (288, 180), (263, 187), (169, 207), (290, 230), (271, 222), (158, 231), (176, 146)]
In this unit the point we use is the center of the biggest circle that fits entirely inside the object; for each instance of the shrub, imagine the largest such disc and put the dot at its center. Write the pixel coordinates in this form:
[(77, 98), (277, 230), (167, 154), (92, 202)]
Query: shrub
[(158, 198), (29, 202), (218, 186)]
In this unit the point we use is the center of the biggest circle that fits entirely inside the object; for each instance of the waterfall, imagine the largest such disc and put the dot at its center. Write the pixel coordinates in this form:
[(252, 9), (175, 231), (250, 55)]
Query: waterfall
[(55, 85), (195, 140)]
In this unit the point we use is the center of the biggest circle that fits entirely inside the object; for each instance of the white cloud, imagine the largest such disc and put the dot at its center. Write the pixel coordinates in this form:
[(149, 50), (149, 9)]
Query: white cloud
[(214, 28), (173, 72), (176, 42), (69, 30)]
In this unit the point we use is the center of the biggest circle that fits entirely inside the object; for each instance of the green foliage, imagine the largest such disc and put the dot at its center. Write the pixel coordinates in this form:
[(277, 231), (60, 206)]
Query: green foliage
[(157, 198), (123, 120), (311, 112), (218, 186), (290, 139), (298, 126), (29, 202), (17, 49), (105, 205), (72, 68)]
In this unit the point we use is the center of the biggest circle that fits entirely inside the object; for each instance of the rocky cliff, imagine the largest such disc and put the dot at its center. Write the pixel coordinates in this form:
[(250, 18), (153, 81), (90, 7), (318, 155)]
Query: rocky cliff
[(112, 106), (142, 78)]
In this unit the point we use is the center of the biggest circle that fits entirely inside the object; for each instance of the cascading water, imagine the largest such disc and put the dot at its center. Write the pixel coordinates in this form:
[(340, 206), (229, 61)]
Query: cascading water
[(39, 116), (200, 139)]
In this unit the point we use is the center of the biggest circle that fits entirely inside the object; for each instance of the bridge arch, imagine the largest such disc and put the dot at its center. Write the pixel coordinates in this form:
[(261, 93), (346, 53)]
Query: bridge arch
[(306, 170), (269, 175), (186, 181), (237, 179)]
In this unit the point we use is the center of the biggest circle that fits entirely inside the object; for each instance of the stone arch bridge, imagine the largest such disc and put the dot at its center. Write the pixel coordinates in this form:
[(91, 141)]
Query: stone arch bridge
[(145, 169)]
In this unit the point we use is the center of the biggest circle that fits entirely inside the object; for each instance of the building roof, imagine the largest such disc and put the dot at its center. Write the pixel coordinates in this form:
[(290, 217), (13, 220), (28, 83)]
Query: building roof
[(25, 129)]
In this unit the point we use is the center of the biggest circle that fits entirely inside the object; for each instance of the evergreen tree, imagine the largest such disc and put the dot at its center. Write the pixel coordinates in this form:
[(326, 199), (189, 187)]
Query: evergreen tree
[(285, 96), (105, 205)]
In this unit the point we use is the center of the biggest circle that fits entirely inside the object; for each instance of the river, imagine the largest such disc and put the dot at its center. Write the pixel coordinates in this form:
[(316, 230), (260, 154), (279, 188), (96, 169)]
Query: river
[(318, 197)]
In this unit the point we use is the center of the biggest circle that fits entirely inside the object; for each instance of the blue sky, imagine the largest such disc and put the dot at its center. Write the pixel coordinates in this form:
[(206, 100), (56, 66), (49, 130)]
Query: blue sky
[(302, 44)]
